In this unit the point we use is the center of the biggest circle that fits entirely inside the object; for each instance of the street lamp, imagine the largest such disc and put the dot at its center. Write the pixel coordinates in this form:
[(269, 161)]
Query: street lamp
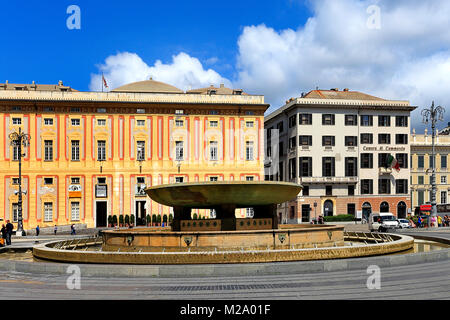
[(433, 114), (101, 160), (17, 140)]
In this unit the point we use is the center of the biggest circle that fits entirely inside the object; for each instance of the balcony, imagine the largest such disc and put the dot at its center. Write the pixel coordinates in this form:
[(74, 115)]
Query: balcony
[(382, 171), (327, 180)]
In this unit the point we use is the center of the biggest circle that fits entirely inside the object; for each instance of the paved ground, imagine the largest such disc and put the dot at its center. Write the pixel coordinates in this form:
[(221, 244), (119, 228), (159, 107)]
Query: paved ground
[(421, 281)]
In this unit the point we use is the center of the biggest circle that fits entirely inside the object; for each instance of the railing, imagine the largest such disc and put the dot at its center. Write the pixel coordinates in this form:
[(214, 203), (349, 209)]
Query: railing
[(329, 179), (367, 237), (78, 243)]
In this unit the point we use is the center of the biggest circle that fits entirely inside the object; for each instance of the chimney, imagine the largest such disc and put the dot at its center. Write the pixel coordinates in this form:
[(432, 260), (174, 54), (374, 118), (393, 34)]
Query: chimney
[(346, 89), (222, 85), (334, 89)]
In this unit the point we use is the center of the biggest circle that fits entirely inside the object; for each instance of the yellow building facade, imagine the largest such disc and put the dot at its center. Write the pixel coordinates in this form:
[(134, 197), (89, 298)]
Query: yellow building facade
[(92, 154), (421, 166)]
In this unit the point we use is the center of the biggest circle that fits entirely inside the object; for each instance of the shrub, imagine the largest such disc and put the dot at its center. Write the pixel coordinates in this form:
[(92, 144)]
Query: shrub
[(194, 217), (132, 219), (165, 218), (158, 218), (153, 218), (121, 219), (148, 219), (114, 220), (170, 217), (110, 219), (340, 217), (127, 219)]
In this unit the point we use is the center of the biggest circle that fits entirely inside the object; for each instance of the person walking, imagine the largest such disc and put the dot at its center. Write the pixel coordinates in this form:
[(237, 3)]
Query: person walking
[(37, 231), (9, 231), (72, 228), (439, 220), (55, 229), (3, 234)]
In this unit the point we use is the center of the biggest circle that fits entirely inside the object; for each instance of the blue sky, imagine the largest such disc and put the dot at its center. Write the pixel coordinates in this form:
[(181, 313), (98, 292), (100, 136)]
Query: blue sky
[(39, 46), (391, 49)]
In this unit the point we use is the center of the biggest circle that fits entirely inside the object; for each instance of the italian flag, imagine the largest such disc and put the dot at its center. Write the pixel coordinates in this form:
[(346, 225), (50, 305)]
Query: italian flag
[(393, 163)]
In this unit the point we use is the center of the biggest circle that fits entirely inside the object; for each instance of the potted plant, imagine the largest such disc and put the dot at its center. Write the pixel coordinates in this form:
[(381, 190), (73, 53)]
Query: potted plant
[(132, 220), (121, 221), (110, 221), (170, 219), (165, 220), (127, 220), (114, 221), (194, 217), (158, 220), (148, 220), (154, 219)]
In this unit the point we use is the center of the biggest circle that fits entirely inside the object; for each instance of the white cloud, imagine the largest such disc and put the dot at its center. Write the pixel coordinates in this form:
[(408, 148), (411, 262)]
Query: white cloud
[(183, 72), (407, 58)]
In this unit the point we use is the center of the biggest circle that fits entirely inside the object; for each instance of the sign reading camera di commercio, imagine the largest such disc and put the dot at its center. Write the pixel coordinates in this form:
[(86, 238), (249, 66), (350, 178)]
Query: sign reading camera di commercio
[(382, 148)]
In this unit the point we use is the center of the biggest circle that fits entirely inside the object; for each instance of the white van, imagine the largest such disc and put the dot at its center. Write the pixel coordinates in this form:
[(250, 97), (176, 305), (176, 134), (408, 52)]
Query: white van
[(383, 221)]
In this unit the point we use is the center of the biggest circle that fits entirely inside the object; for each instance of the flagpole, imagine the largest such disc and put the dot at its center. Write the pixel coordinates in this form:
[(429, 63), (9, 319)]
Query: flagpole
[(102, 81)]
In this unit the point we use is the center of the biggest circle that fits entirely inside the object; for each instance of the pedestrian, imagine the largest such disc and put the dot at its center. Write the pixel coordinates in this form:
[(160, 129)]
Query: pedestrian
[(37, 231), (9, 231), (433, 221), (55, 229), (72, 228), (419, 222), (3, 235), (439, 219)]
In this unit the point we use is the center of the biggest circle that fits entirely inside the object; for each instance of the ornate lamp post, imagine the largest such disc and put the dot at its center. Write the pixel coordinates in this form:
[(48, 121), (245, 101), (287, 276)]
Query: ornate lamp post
[(18, 140), (433, 114)]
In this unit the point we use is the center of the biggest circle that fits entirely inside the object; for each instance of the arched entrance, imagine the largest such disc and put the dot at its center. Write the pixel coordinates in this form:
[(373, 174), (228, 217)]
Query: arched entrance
[(366, 210), (401, 210), (384, 207), (328, 208)]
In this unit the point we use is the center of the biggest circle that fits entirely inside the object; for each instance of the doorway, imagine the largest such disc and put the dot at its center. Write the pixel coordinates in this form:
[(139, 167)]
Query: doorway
[(401, 210), (306, 209), (140, 213), (101, 212), (328, 208), (366, 211)]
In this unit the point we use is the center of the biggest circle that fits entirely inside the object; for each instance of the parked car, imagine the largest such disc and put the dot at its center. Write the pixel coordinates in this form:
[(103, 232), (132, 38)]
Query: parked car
[(403, 223), (383, 221)]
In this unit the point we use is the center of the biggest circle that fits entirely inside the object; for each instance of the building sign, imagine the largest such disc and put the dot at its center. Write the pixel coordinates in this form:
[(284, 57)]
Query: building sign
[(382, 148), (74, 191), (101, 190), (140, 190)]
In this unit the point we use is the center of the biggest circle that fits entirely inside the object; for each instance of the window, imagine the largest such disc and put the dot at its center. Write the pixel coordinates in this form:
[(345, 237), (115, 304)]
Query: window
[(305, 168), (292, 142), (305, 190), (292, 168), (420, 162), (75, 211), (179, 150), (48, 211), (384, 138), (366, 160), (328, 141), (383, 160), (384, 121), (179, 111), (328, 167), (15, 212), (179, 179), (366, 138), (402, 159), (140, 110), (351, 141), (305, 119), (351, 167), (101, 110), (213, 124), (179, 123), (141, 123), (213, 112), (420, 180), (366, 186), (305, 140), (443, 179), (213, 178), (280, 126), (280, 174), (384, 186), (140, 150), (401, 186), (401, 139), (431, 162), (75, 150), (328, 119), (292, 121), (17, 121), (249, 150), (401, 121), (75, 109), (281, 149), (443, 161), (16, 153), (101, 122), (75, 122), (420, 197), (75, 180), (249, 178), (101, 180), (48, 121), (443, 197), (351, 120), (351, 190), (249, 124), (213, 150), (366, 121), (329, 190), (101, 150), (48, 181), (49, 109), (48, 150), (351, 208)]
